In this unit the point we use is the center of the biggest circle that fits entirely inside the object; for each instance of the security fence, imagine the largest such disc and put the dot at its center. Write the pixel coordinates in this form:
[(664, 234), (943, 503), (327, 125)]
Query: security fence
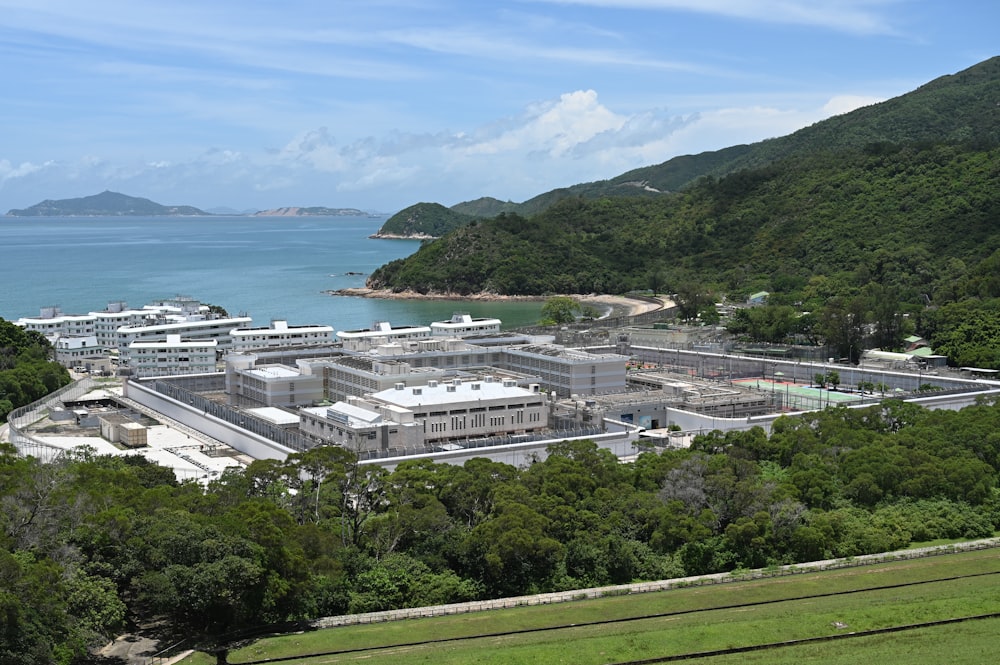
[(21, 419)]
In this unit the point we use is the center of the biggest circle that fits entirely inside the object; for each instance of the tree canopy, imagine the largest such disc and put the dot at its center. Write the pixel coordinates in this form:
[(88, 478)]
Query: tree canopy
[(90, 542)]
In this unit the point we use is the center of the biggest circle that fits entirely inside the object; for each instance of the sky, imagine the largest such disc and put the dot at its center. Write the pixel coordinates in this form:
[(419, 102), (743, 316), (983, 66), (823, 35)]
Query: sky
[(380, 104)]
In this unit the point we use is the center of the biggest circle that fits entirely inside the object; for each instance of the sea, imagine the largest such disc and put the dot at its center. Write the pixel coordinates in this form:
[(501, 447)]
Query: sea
[(268, 268)]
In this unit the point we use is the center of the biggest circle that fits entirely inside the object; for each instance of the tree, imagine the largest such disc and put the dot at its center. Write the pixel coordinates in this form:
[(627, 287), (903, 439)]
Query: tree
[(833, 378), (558, 310), (512, 553), (690, 297), (843, 321)]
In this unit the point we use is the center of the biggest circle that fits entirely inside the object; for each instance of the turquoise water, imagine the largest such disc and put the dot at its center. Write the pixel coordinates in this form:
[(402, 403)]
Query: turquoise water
[(268, 268)]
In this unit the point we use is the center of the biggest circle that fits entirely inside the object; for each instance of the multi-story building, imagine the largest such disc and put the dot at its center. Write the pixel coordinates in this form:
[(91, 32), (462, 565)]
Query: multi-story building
[(118, 315), (77, 350), (278, 335), (567, 371), (435, 413), (204, 329), (381, 332), (415, 362), (52, 323), (357, 376), (272, 384), (172, 356), (463, 325)]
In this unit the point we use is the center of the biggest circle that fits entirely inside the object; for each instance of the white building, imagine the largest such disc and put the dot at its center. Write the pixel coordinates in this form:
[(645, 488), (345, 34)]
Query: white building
[(279, 334), (198, 329), (52, 323), (381, 332), (360, 425), (357, 376), (172, 356), (274, 385), (118, 315), (436, 413), (76, 350), (567, 371), (463, 325)]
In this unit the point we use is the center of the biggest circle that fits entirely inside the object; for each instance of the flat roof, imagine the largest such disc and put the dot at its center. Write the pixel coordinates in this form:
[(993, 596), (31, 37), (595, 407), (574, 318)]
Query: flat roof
[(413, 396), (273, 414), (274, 372), (201, 323), (278, 327)]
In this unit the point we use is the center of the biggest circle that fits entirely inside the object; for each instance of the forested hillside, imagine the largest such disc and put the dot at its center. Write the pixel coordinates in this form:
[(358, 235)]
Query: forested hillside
[(423, 219), (916, 217), (91, 544), (27, 371), (957, 108), (886, 217)]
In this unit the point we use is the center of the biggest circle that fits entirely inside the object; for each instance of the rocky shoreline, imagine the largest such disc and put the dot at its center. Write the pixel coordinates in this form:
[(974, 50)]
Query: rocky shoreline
[(394, 236), (611, 305)]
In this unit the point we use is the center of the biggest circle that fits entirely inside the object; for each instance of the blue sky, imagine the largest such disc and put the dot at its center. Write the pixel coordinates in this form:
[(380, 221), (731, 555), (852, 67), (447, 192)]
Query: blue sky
[(378, 104)]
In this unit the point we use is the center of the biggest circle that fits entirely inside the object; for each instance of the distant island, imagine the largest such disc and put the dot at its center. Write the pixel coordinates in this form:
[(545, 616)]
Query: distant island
[(315, 211), (114, 204), (105, 204)]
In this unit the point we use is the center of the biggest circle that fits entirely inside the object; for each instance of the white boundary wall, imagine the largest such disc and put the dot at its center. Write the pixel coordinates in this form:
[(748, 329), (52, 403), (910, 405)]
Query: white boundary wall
[(647, 587)]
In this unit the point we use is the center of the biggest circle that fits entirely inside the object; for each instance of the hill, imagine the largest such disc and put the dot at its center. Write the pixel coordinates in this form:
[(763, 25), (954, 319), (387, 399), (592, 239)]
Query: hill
[(956, 107), (486, 206), (422, 220), (902, 193), (314, 211), (906, 216), (104, 204)]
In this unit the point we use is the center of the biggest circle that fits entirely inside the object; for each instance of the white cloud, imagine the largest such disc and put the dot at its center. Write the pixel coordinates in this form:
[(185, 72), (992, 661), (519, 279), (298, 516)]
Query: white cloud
[(846, 103), (9, 171), (563, 141), (555, 127)]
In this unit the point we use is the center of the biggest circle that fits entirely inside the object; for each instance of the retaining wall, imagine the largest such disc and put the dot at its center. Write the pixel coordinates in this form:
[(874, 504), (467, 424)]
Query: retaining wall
[(647, 587)]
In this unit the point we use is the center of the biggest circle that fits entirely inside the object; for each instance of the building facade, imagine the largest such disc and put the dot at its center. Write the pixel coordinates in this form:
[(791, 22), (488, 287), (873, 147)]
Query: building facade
[(172, 356), (463, 325), (207, 329), (432, 414), (276, 385), (380, 333), (280, 335)]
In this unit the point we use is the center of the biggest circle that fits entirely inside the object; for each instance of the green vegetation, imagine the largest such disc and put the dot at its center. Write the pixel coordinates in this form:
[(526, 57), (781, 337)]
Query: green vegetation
[(564, 309), (424, 219), (319, 534), (914, 220), (698, 619), (882, 219), (956, 108), (485, 207), (103, 204), (862, 221), (27, 372)]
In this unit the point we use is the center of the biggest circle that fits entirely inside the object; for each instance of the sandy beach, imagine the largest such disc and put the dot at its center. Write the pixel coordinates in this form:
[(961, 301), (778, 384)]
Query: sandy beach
[(609, 305)]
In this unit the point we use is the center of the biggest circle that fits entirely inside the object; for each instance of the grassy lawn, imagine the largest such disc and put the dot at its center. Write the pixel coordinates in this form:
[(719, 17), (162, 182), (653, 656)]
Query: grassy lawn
[(717, 627)]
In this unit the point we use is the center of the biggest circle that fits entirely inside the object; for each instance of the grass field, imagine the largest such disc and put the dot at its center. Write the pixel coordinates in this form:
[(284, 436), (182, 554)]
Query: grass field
[(698, 619)]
